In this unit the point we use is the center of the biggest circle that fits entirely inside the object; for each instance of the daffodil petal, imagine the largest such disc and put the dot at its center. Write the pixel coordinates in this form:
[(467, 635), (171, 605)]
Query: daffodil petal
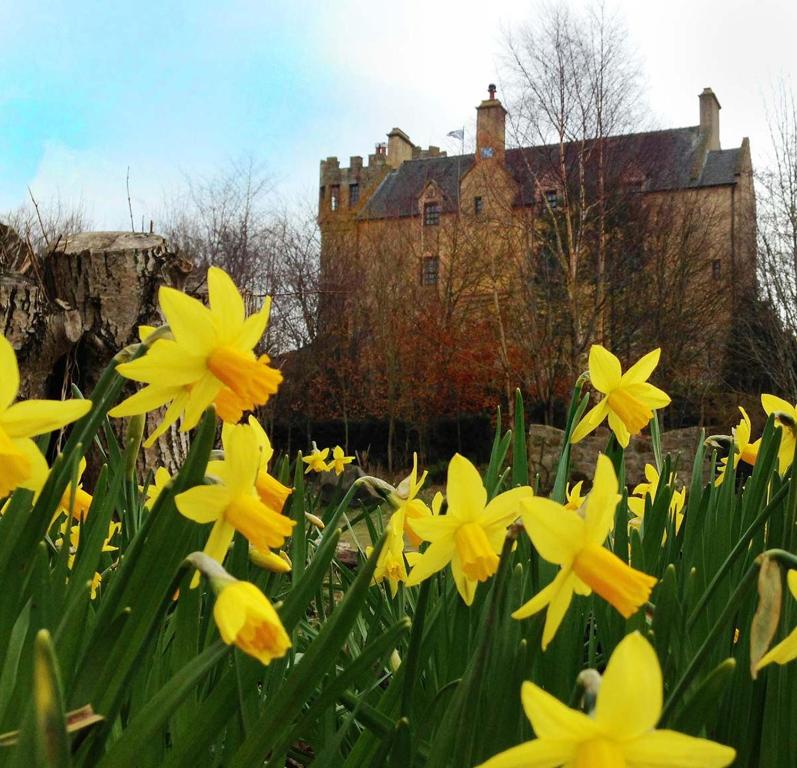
[(203, 503), (664, 749), (241, 457), (191, 322), (604, 369), (9, 381), (202, 395), (640, 371), (555, 531), (791, 580), (782, 653), (551, 719), (602, 501), (651, 396), (436, 557), (590, 421), (433, 528), (219, 540), (534, 754), (29, 418), (505, 508), (617, 426), (557, 609), (266, 451), (465, 586), (226, 304), (150, 398), (464, 489), (172, 414), (772, 404), (166, 361), (630, 697), (254, 327), (39, 470)]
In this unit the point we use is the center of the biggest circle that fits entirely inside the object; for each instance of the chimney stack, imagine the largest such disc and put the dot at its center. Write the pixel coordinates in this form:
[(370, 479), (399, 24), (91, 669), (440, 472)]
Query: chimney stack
[(710, 119), (490, 128), (399, 148)]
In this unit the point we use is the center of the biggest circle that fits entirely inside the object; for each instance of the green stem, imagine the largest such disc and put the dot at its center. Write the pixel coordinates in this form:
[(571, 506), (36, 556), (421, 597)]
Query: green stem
[(740, 546), (414, 650), (731, 607)]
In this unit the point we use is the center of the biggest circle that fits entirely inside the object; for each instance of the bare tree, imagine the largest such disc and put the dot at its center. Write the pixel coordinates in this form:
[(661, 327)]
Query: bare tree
[(39, 228), (769, 332), (573, 83), (230, 220)]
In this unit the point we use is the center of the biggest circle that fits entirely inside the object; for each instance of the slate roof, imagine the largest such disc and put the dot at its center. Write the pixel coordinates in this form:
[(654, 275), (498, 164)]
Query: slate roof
[(659, 160)]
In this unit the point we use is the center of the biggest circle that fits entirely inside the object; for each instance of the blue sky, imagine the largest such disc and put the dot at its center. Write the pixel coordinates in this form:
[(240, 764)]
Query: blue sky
[(183, 88)]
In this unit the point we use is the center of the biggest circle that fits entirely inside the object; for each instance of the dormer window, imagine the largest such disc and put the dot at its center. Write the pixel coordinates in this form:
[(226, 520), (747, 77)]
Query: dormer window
[(354, 194), (478, 205), (334, 197), (431, 214)]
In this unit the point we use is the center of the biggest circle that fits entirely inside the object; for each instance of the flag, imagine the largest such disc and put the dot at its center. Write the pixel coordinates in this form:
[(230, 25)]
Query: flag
[(458, 134)]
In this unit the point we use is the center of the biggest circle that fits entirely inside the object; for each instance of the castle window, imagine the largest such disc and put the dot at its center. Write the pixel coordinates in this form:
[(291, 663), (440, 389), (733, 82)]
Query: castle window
[(431, 215), (430, 270), (477, 205), (552, 197), (334, 197), (716, 269), (354, 194), (321, 192)]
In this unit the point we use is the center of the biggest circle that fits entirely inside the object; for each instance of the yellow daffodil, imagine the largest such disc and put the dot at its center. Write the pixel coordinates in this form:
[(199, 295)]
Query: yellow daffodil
[(246, 617), (74, 538), (211, 348), (339, 460), (636, 502), (229, 406), (22, 464), (82, 500), (391, 564), (622, 731), (233, 503), (74, 542), (628, 398), (786, 650), (96, 580), (743, 448), (574, 497), (470, 535), (405, 500), (786, 419), (564, 537), (317, 461), (159, 482)]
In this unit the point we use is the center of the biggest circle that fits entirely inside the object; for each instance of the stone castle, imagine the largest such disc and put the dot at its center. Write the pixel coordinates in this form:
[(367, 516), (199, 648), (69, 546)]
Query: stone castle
[(418, 197)]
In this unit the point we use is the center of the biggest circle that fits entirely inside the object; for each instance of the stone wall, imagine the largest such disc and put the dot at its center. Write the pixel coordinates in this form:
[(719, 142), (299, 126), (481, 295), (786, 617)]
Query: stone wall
[(545, 447)]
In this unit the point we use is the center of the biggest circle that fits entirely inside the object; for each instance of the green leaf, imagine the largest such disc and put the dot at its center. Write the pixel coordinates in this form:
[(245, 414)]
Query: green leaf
[(319, 656), (520, 459), (159, 708), (704, 702)]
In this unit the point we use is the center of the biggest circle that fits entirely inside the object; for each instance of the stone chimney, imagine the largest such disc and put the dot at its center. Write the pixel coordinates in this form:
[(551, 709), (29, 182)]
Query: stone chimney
[(399, 148), (490, 128), (710, 119)]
